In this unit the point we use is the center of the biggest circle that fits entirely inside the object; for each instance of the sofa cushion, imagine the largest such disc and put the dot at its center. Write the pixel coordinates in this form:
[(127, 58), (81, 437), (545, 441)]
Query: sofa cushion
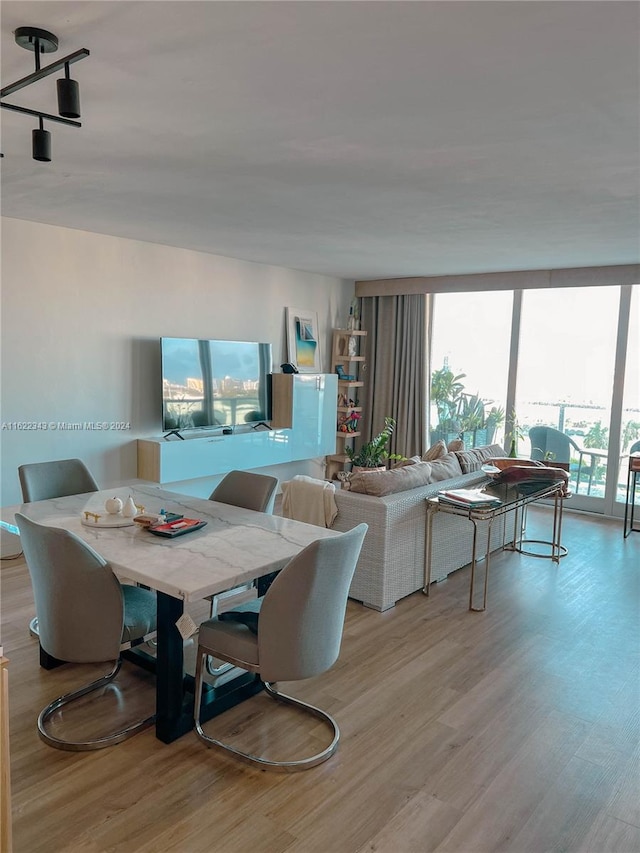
[(445, 468), (380, 483), (411, 461), (473, 460), (436, 451)]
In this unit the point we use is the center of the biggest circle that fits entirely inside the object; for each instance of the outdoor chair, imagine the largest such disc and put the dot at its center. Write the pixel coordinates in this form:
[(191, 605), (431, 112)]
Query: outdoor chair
[(548, 443)]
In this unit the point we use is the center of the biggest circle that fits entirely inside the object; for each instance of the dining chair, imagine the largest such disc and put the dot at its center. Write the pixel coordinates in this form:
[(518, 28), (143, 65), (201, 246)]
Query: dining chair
[(85, 615), (248, 491), (293, 632), (40, 481), (43, 480)]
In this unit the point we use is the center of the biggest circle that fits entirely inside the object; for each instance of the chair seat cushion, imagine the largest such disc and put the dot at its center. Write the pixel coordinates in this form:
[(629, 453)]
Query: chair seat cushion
[(246, 613), (229, 640), (139, 612)]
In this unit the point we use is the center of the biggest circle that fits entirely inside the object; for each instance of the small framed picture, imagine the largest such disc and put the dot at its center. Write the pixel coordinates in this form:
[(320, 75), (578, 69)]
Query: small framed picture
[(303, 345)]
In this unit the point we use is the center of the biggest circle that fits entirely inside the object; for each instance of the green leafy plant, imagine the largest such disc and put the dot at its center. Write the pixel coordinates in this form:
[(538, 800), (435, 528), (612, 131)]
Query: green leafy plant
[(515, 434), (374, 453), (471, 412), (446, 390)]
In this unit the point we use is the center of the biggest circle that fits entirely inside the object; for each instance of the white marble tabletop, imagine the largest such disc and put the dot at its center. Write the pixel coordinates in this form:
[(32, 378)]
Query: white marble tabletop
[(235, 546)]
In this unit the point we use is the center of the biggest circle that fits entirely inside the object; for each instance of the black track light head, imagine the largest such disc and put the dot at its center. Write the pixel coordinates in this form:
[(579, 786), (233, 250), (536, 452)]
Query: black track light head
[(41, 145), (68, 98)]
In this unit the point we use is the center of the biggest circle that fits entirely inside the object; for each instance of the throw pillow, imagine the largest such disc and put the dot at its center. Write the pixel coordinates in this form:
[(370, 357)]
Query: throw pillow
[(456, 444), (436, 451), (445, 468), (380, 483), (473, 460), (411, 461)]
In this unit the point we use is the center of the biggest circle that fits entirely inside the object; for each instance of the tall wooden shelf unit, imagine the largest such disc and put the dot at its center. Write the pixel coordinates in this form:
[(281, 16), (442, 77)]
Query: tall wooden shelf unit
[(346, 352)]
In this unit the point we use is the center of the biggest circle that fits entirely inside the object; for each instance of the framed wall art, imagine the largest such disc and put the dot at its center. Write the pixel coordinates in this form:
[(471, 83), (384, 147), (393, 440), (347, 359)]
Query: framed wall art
[(303, 345)]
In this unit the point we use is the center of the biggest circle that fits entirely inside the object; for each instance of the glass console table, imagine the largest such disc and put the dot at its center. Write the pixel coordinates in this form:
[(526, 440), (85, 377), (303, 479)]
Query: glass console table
[(514, 497)]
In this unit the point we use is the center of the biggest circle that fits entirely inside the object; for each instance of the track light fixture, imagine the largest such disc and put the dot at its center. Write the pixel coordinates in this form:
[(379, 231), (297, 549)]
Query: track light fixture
[(42, 41)]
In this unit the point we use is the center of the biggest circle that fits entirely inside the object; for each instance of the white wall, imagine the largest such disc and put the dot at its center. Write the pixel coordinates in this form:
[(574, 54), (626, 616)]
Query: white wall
[(81, 319)]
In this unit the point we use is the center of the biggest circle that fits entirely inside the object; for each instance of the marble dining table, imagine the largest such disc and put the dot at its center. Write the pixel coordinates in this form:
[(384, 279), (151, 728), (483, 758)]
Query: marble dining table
[(235, 546)]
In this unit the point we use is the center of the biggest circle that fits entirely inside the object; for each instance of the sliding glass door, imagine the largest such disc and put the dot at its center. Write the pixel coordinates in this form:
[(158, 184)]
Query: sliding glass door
[(563, 364), (566, 361)]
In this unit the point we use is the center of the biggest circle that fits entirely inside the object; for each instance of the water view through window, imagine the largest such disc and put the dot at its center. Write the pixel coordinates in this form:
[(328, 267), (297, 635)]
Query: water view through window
[(564, 379)]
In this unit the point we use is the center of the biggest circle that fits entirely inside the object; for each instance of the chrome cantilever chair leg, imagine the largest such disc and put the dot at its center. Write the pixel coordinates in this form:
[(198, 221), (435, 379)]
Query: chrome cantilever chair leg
[(101, 742), (33, 628), (223, 667), (97, 743), (272, 690)]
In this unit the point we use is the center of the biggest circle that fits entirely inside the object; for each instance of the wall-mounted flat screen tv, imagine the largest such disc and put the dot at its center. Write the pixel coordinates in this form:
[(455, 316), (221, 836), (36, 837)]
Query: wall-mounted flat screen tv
[(208, 384)]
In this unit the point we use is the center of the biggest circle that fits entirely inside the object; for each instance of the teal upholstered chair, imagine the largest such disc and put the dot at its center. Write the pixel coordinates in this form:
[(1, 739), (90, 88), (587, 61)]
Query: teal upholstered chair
[(85, 615), (550, 443), (294, 632)]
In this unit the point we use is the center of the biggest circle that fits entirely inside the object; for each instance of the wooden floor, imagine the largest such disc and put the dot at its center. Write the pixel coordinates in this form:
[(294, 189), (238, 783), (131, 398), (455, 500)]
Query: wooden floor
[(510, 730)]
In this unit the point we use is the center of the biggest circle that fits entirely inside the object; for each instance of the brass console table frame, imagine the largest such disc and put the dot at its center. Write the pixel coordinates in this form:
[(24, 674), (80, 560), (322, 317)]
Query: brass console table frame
[(515, 498)]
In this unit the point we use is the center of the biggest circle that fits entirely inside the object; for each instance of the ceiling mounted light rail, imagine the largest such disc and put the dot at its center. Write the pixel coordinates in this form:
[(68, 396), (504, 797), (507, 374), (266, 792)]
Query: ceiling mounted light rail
[(41, 41)]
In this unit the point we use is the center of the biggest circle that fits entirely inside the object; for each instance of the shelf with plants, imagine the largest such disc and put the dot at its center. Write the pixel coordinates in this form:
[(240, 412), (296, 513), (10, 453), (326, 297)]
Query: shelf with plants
[(348, 361)]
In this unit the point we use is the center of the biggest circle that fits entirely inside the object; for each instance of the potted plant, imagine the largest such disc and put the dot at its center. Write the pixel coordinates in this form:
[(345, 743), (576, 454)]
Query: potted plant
[(373, 455)]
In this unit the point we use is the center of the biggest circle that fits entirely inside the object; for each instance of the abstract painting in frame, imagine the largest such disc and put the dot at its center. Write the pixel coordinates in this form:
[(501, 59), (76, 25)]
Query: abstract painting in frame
[(303, 345)]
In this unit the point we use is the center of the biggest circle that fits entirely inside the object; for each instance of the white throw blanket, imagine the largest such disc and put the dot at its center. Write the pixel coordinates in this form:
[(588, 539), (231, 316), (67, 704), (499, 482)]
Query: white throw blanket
[(306, 499)]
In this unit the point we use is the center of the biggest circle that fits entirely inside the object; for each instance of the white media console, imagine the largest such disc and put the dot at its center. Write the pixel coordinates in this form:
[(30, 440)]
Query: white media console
[(303, 427)]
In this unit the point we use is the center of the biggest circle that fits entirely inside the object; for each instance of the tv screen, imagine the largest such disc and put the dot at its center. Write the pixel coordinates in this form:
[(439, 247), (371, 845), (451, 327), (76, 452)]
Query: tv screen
[(208, 384)]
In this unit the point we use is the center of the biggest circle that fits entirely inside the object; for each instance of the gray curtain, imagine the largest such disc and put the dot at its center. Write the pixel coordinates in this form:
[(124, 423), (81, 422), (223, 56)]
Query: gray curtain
[(396, 370)]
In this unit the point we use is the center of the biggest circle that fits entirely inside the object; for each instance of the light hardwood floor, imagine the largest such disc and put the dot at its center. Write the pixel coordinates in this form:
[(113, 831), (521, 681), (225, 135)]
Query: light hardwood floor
[(510, 730)]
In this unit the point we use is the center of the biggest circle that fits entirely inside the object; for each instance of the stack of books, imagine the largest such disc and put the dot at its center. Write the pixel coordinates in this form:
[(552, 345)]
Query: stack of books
[(469, 498)]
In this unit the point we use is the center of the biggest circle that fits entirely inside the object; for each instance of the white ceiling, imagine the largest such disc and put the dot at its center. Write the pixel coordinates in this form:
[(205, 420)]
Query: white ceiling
[(357, 139)]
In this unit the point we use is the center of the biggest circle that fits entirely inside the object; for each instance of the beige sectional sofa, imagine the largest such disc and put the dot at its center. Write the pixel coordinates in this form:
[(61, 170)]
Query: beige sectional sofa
[(391, 563)]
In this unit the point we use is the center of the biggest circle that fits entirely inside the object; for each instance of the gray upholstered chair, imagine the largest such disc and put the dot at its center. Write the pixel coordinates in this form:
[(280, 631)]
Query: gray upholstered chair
[(247, 490), (40, 481), (85, 615), (293, 632), (43, 480)]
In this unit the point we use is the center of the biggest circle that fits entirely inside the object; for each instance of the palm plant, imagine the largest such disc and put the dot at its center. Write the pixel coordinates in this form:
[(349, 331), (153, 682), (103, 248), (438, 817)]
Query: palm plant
[(446, 390)]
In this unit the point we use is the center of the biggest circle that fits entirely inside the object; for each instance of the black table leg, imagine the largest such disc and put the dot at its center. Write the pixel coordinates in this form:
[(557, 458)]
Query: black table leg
[(175, 689)]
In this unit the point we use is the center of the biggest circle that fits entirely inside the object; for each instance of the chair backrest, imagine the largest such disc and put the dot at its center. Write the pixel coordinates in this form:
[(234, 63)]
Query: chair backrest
[(302, 615), (547, 440), (79, 601), (43, 480), (246, 490)]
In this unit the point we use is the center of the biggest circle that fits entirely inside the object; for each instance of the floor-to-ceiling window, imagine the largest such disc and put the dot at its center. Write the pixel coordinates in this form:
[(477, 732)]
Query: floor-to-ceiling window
[(567, 371), (470, 366)]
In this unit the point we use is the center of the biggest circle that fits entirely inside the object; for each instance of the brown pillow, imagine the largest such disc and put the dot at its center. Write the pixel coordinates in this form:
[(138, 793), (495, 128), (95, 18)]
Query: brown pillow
[(446, 467), (456, 444), (473, 460), (436, 451), (379, 483), (411, 461)]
